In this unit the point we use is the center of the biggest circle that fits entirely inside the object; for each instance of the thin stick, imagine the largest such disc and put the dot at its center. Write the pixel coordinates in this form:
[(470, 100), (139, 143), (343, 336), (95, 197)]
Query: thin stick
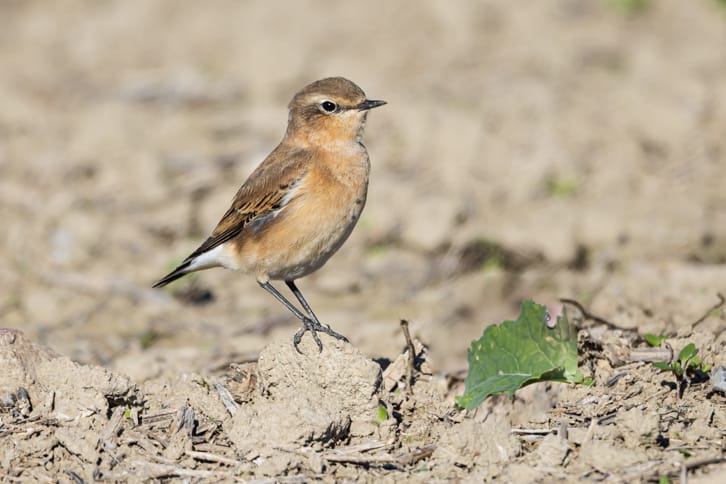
[(590, 430), (411, 357), (364, 459), (112, 424), (533, 431), (364, 447), (416, 455), (154, 470), (652, 354), (227, 399), (721, 301), (614, 379), (209, 457), (406, 459), (562, 431), (158, 417), (695, 463), (587, 315)]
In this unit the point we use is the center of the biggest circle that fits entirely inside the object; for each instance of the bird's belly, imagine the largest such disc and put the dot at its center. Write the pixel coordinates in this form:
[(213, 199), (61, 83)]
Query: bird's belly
[(301, 238), (312, 243)]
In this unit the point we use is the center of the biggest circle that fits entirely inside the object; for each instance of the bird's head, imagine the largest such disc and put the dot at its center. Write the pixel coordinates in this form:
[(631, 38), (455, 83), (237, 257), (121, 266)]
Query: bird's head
[(330, 110)]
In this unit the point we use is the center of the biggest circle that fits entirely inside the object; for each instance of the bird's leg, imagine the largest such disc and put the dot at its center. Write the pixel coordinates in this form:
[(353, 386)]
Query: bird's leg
[(318, 327), (305, 305), (309, 324)]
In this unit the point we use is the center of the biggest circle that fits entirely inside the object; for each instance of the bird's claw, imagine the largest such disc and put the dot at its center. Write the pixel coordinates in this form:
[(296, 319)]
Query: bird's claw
[(314, 327)]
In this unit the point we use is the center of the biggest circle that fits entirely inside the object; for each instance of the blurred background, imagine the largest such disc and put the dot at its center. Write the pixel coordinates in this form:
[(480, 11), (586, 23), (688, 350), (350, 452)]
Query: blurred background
[(572, 148)]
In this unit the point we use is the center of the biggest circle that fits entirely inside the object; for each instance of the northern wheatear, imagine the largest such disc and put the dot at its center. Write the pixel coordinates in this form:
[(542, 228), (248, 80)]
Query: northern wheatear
[(301, 203)]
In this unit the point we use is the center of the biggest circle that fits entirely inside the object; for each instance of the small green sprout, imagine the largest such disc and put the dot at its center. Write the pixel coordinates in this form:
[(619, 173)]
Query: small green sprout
[(687, 364), (381, 414), (629, 6), (148, 338), (563, 186), (654, 339)]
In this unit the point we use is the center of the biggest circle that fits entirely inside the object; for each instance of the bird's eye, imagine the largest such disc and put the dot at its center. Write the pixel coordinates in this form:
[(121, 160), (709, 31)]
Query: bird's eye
[(328, 106)]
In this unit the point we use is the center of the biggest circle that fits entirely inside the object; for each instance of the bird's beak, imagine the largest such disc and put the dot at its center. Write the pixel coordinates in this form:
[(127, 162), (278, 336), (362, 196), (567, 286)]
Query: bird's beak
[(369, 104)]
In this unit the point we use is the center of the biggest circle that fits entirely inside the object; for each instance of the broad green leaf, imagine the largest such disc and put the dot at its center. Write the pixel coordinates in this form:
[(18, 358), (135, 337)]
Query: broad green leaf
[(688, 351), (517, 353)]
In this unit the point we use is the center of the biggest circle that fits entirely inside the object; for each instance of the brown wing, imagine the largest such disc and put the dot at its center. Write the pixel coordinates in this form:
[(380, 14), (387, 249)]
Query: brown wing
[(268, 189), (263, 194)]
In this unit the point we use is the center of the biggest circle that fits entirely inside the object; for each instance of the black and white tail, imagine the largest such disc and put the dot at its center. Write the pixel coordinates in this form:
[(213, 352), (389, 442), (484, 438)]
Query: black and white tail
[(183, 269)]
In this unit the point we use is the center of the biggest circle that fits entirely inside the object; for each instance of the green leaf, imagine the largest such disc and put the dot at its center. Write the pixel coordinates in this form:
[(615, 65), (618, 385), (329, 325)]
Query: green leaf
[(564, 186), (687, 362), (654, 339), (589, 381), (629, 6), (688, 351), (381, 414), (517, 353)]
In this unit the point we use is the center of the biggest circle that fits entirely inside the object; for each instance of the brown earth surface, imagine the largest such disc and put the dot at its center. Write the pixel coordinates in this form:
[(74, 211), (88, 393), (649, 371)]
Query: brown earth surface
[(571, 148)]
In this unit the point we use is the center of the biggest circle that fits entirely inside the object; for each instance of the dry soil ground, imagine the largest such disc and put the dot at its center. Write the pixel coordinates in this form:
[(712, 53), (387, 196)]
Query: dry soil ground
[(566, 148)]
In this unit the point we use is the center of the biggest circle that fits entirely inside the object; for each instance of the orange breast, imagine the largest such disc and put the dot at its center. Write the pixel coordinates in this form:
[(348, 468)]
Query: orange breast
[(312, 226)]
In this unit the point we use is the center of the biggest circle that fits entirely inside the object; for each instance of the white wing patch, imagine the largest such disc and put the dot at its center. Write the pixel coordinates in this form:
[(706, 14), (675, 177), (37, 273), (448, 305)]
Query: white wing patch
[(217, 257)]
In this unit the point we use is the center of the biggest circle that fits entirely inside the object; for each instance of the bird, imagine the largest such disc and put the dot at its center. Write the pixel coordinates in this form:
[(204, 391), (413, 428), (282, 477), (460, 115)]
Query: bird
[(300, 204)]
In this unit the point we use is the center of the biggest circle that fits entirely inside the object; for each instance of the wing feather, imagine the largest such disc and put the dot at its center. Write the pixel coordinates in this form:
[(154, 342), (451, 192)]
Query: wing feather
[(265, 193)]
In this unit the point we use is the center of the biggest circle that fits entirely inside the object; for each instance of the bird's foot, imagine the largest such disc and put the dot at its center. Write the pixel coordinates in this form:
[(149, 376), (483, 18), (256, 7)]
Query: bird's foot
[(314, 327)]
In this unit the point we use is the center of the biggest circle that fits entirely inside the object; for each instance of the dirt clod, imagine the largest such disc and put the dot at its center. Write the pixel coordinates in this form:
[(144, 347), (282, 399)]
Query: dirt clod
[(308, 399), (57, 385)]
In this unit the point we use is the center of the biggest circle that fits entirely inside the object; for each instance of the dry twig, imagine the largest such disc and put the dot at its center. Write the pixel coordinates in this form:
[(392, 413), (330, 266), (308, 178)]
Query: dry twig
[(150, 420), (416, 455), (533, 431), (704, 461), (411, 357), (227, 399), (364, 447), (112, 425), (401, 460), (588, 315), (721, 301), (152, 470), (209, 457), (664, 354)]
